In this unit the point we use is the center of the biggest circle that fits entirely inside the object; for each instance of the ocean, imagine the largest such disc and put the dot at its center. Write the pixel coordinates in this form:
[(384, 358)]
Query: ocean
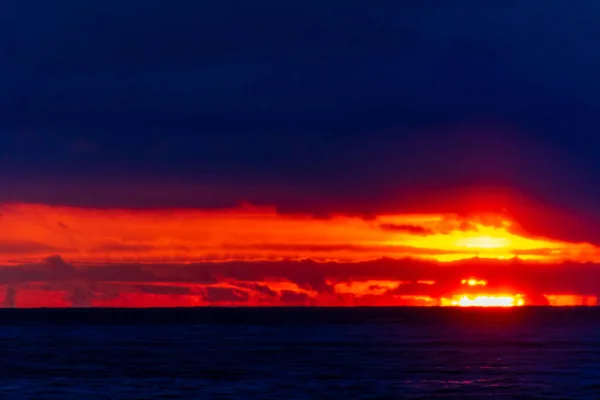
[(300, 353)]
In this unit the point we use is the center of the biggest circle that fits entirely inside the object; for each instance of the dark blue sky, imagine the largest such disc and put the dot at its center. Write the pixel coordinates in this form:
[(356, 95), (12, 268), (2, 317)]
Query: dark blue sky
[(310, 105)]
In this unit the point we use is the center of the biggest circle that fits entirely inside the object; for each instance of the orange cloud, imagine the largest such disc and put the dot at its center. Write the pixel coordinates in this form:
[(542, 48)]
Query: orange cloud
[(364, 288), (565, 300), (30, 232)]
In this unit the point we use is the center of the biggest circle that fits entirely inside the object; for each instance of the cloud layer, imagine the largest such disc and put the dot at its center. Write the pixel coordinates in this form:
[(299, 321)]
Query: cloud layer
[(56, 283), (32, 232), (256, 256)]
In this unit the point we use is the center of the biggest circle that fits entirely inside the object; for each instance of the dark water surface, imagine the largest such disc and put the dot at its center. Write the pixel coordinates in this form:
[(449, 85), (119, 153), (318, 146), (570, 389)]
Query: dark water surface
[(287, 353)]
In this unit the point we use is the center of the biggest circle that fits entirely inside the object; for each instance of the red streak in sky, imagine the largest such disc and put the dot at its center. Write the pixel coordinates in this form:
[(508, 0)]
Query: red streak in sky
[(32, 232)]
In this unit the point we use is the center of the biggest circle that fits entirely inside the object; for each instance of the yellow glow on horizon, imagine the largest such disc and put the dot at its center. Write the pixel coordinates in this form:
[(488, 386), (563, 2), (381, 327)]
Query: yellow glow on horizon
[(501, 300)]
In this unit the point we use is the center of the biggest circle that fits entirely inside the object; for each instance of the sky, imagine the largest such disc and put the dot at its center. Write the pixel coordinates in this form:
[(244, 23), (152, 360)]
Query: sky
[(155, 133)]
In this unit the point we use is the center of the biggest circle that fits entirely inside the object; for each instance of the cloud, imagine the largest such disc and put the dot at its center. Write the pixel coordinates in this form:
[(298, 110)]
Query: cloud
[(378, 282), (56, 264), (25, 247), (412, 229), (219, 295), (262, 289), (289, 297), (247, 233), (117, 247), (163, 289), (51, 269), (9, 297), (315, 249), (80, 297)]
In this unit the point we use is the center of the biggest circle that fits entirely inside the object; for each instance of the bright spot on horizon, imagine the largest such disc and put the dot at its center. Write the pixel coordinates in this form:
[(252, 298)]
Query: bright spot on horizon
[(474, 282), (504, 300)]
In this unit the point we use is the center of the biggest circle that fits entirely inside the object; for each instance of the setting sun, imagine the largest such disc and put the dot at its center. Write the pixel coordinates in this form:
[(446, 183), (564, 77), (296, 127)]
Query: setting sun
[(484, 301)]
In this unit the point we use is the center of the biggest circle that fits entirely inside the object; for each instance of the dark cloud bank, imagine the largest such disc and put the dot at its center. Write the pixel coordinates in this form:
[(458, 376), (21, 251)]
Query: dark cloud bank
[(223, 283)]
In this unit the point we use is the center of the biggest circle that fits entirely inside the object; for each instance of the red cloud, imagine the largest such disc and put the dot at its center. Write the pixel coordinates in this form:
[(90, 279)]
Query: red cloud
[(275, 283), (31, 232)]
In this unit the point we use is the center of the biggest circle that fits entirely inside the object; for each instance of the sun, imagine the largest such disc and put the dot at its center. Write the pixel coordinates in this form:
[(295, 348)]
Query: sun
[(490, 301), (473, 296), (484, 300)]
